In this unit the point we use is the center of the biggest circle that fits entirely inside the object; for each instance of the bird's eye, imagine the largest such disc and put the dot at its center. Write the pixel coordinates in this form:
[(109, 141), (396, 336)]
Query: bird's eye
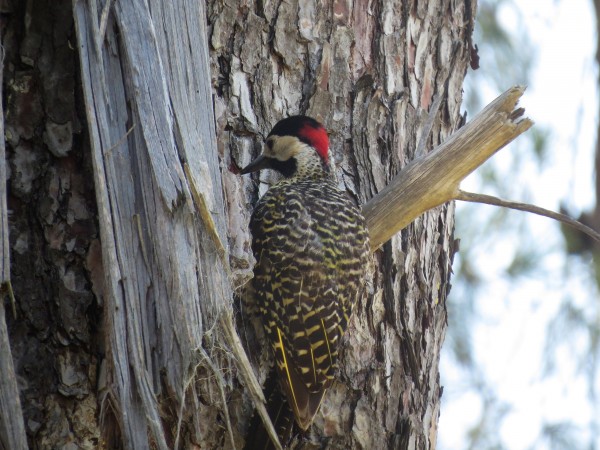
[(270, 144)]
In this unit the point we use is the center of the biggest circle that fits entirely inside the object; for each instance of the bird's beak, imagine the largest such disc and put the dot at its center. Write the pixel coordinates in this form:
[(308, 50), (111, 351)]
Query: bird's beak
[(261, 162)]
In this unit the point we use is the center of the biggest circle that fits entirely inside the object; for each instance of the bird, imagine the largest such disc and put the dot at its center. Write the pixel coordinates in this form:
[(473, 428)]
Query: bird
[(311, 246)]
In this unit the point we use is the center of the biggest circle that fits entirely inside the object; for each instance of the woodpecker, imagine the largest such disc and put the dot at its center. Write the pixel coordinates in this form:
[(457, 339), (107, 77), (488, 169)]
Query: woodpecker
[(312, 251)]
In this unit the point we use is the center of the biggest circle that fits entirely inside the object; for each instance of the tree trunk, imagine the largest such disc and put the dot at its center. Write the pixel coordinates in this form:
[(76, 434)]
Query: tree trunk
[(56, 336), (120, 276), (12, 427)]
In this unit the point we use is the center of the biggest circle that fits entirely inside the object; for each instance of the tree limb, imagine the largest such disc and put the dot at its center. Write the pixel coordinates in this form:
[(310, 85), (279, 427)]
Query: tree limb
[(490, 200), (434, 179)]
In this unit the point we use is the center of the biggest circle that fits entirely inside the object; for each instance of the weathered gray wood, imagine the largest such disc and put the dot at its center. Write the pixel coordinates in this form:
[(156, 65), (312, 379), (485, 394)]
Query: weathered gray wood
[(12, 429), (434, 179), (165, 280), (108, 132)]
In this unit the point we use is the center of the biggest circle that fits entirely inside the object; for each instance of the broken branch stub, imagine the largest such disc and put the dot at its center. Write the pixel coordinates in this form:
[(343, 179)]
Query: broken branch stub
[(434, 179)]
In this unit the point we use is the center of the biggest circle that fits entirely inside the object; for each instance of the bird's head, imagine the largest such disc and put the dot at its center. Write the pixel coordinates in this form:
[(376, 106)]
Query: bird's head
[(296, 147)]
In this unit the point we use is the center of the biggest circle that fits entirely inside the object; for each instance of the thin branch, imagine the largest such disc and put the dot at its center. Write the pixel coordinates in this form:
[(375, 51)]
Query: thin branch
[(434, 179), (247, 374), (121, 140), (491, 200)]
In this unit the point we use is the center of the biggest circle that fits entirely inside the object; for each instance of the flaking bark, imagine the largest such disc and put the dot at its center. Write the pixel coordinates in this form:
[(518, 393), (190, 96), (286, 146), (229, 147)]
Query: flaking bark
[(369, 71), (150, 270)]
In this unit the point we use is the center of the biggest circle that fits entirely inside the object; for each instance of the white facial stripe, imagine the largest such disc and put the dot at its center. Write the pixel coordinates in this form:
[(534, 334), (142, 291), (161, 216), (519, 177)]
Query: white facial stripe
[(283, 148)]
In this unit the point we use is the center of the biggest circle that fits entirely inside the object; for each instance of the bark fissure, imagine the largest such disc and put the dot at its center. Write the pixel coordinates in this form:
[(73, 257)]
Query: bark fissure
[(164, 89)]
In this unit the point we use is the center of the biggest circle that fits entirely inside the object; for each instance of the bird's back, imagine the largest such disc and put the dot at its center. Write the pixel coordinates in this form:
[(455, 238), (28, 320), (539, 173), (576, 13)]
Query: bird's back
[(312, 250)]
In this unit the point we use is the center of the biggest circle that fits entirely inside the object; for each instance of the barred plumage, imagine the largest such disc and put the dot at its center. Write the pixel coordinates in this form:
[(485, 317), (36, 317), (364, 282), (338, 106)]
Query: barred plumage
[(312, 251)]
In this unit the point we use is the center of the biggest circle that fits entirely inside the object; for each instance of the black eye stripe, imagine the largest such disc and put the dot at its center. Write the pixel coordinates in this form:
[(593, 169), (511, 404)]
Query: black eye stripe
[(286, 168), (270, 144)]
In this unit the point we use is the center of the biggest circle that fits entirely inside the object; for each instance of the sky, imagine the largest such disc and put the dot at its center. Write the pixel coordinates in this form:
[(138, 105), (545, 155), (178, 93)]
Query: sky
[(510, 334)]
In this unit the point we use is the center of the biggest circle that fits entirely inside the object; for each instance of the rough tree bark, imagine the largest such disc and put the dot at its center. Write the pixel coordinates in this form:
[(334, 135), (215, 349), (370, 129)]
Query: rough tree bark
[(119, 282), (369, 71), (55, 337)]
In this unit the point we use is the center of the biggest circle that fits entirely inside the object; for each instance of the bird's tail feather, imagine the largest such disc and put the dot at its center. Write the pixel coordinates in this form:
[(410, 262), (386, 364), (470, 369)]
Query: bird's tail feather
[(282, 417)]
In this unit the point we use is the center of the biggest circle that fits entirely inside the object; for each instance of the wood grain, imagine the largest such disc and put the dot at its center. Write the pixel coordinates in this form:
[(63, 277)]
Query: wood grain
[(148, 98), (434, 179)]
